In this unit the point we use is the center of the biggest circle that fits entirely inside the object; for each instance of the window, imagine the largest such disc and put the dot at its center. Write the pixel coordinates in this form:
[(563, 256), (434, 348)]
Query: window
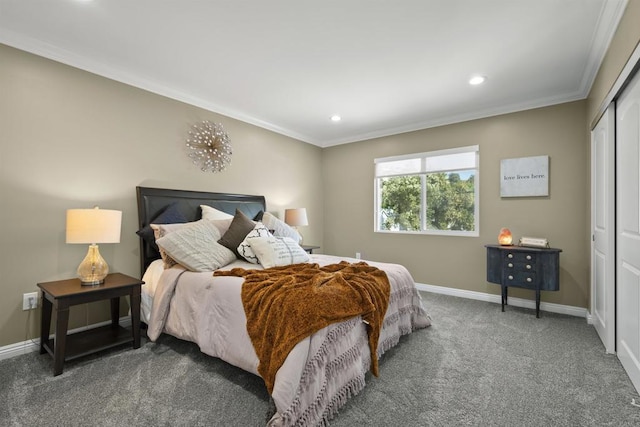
[(429, 193)]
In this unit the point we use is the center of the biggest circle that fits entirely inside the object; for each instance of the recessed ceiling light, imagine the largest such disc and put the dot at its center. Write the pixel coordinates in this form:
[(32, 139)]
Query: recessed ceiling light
[(336, 118), (476, 80)]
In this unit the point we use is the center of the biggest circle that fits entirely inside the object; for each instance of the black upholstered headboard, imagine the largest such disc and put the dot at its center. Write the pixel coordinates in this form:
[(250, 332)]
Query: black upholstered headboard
[(153, 201)]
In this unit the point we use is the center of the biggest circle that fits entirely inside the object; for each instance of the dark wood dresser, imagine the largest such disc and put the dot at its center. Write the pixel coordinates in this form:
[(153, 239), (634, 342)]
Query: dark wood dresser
[(537, 269)]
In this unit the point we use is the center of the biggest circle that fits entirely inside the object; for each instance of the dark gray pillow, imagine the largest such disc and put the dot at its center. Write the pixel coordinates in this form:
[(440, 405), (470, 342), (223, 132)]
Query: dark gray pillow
[(238, 230), (172, 214)]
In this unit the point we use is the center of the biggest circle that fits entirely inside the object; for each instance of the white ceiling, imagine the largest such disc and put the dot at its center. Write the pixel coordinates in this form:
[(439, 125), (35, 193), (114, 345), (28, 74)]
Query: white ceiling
[(385, 66)]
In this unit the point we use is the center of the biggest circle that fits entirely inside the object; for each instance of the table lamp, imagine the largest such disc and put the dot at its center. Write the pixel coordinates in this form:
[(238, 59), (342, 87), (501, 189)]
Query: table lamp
[(93, 226), (296, 217)]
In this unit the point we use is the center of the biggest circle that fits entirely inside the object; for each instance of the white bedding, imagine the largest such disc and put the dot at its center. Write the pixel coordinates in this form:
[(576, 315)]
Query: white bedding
[(320, 373)]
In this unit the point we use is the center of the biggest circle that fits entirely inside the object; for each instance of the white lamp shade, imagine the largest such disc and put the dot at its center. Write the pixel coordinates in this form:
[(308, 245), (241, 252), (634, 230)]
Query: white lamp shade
[(93, 226), (296, 217)]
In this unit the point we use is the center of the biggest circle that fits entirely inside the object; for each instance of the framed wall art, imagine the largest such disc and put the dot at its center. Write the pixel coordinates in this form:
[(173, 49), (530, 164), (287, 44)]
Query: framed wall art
[(524, 177)]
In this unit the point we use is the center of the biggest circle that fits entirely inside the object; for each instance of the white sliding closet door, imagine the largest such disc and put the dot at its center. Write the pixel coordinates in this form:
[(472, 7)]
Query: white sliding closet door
[(603, 263), (628, 229)]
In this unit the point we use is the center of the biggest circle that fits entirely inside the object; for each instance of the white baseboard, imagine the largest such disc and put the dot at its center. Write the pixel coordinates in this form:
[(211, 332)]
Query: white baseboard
[(28, 346), (589, 318), (517, 302)]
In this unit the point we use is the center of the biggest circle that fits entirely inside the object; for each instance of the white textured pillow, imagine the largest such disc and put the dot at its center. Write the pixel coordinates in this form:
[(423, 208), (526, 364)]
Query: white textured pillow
[(212, 213), (196, 247), (244, 249), (280, 228), (160, 230), (275, 251)]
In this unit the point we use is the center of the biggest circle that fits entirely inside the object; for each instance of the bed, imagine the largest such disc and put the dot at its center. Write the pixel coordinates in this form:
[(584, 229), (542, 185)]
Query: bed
[(321, 372)]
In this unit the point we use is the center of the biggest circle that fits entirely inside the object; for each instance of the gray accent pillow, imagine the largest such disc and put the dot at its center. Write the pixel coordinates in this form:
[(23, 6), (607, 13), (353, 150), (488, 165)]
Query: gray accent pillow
[(238, 230), (174, 213)]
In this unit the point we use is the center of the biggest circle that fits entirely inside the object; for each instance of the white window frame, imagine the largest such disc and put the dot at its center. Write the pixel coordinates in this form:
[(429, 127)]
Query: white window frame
[(423, 172)]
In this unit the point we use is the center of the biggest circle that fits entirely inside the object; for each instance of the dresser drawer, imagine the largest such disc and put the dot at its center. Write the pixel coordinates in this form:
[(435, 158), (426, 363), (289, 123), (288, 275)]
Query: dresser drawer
[(519, 262), (520, 257), (519, 278), (519, 269)]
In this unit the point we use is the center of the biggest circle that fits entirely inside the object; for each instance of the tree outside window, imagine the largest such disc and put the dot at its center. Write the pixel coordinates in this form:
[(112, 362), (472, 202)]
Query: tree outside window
[(421, 193)]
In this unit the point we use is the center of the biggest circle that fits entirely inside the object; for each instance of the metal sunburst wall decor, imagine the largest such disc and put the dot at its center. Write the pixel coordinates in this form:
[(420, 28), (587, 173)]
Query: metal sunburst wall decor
[(209, 146)]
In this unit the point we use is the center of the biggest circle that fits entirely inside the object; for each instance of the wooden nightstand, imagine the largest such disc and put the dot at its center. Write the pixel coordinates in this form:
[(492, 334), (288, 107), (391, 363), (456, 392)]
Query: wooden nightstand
[(62, 294), (309, 248)]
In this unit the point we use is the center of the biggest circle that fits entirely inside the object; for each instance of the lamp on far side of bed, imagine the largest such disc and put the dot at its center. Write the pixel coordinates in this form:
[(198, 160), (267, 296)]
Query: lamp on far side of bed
[(93, 226), (296, 217)]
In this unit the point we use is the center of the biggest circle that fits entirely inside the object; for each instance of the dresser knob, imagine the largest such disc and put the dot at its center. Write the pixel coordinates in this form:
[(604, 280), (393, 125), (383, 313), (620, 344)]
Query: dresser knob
[(510, 255), (528, 267), (510, 277), (529, 279), (510, 265), (528, 256)]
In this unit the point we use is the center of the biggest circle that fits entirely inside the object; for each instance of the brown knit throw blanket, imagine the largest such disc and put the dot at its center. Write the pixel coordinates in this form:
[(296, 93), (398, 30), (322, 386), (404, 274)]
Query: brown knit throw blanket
[(286, 304)]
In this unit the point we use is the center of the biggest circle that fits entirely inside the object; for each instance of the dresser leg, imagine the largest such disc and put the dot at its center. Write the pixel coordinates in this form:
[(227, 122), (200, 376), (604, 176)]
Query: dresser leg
[(538, 303), (504, 297)]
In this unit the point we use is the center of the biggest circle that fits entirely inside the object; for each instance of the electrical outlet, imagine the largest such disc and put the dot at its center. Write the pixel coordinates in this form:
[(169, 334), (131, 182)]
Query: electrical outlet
[(357, 255), (29, 301)]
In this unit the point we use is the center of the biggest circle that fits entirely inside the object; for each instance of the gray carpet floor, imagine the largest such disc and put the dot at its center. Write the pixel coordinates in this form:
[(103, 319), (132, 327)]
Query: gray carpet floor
[(475, 366)]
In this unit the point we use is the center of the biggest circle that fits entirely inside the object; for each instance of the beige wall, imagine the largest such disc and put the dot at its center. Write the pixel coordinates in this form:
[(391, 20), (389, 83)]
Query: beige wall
[(622, 45), (562, 132), (459, 262), (71, 139)]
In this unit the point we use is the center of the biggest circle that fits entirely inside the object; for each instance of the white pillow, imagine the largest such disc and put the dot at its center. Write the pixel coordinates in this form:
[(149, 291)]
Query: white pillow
[(275, 251), (196, 247), (244, 249), (280, 228), (212, 213), (222, 224)]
